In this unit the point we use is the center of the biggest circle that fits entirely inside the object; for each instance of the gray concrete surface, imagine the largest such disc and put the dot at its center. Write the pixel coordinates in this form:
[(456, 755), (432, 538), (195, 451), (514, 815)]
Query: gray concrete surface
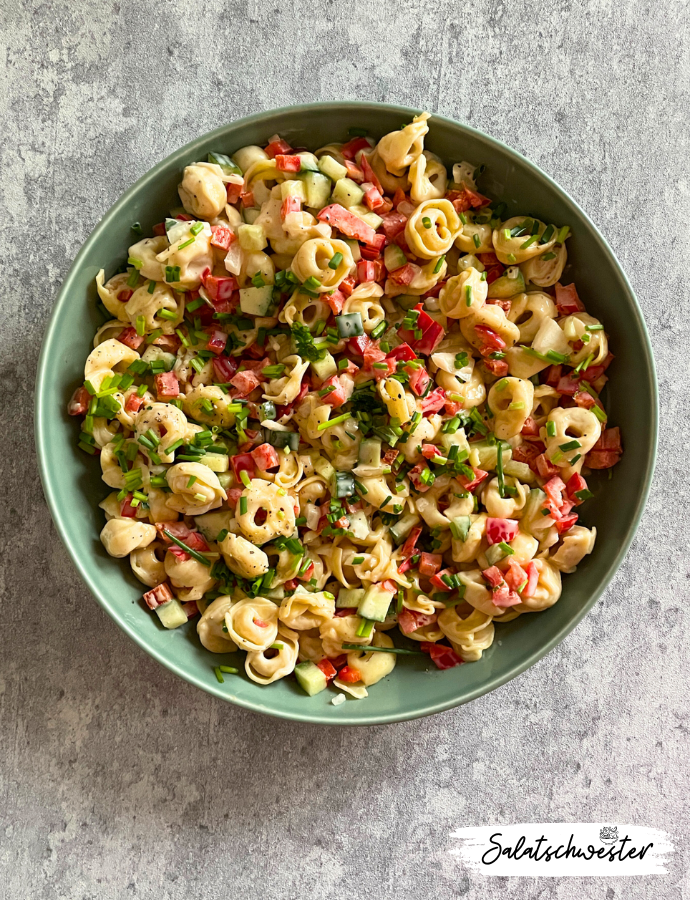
[(117, 779)]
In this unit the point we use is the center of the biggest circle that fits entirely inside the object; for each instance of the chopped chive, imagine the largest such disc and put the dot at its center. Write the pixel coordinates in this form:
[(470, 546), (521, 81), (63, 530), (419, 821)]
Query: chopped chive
[(196, 228), (361, 489), (366, 626), (186, 243), (192, 479), (477, 241), (244, 478), (335, 261), (229, 670), (548, 256), (571, 445), (499, 470), (546, 236), (439, 264), (584, 494), (133, 279), (426, 222), (597, 327), (219, 676), (312, 283), (172, 273), (368, 648), (528, 243), (378, 331), (575, 459), (463, 218), (506, 234), (193, 553), (551, 428), (141, 326), (243, 506), (331, 422), (599, 413), (468, 294), (563, 234), (512, 258), (356, 560)]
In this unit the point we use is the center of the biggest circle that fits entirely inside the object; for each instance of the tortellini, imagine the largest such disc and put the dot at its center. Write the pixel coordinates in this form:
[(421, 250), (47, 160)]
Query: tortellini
[(195, 489), (252, 623), (277, 506), (520, 238), (463, 294), (400, 149), (510, 401), (575, 431), (432, 228), (202, 190), (313, 259), (120, 537)]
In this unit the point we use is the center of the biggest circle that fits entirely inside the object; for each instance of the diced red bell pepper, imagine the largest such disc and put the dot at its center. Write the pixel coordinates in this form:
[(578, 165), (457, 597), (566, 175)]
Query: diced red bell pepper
[(498, 530), (434, 401), (585, 400), (218, 288), (130, 338), (243, 462), (372, 354), (79, 402), (352, 148), (493, 576), (530, 427), (552, 375), (245, 382), (309, 571), (499, 367), (133, 403), (350, 224), (489, 337), (380, 373), (359, 344), (402, 352), (442, 656), (287, 163), (369, 173), (515, 576), (393, 224), (415, 477), (408, 548), (224, 367), (533, 579), (347, 285), (410, 620), (545, 468), (265, 457), (222, 236), (568, 385), (553, 489), (404, 275), (247, 198), (168, 342), (349, 675), (419, 379), (429, 451), (217, 340), (328, 669), (167, 386), (493, 274), (290, 205), (503, 597), (607, 451), (158, 596), (565, 523), (369, 253), (354, 173), (576, 483), (128, 511), (430, 563), (366, 270), (336, 301), (399, 197), (432, 333), (338, 396), (233, 191), (471, 484), (439, 583), (567, 301), (276, 146), (373, 197)]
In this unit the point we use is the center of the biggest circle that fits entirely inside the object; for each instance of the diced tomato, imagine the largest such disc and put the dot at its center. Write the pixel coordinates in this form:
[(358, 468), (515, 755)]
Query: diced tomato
[(378, 242), (399, 196), (429, 451), (344, 610), (167, 386), (499, 367), (489, 337), (442, 656), (610, 439), (408, 548), (247, 198), (352, 148), (565, 523), (415, 477), (430, 563), (545, 468), (309, 571), (340, 395), (404, 275), (349, 675), (366, 270), (350, 224), (432, 333), (402, 352), (533, 579), (369, 173), (418, 379), (576, 483), (245, 382), (410, 620), (336, 301), (265, 457), (354, 172), (290, 205), (224, 367), (79, 402), (567, 300), (553, 489), (217, 340), (287, 163), (168, 342), (359, 344), (130, 338), (493, 576), (277, 146), (568, 385), (439, 583), (133, 403), (530, 427), (220, 288), (233, 191), (222, 236), (607, 451), (158, 596), (126, 509), (515, 576), (552, 375), (498, 530), (347, 285), (434, 401), (470, 485), (243, 462), (328, 669), (585, 400), (372, 354), (503, 597), (380, 373)]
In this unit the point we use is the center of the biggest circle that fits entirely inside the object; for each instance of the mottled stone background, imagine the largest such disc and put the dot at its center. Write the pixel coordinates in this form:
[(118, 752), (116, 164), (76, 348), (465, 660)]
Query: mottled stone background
[(119, 780)]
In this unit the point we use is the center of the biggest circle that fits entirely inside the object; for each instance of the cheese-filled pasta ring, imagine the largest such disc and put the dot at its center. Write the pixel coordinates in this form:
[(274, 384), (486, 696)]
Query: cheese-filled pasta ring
[(474, 236), (463, 294), (146, 252), (369, 308), (167, 422), (195, 489), (210, 626), (145, 304), (112, 472), (469, 393), (478, 594), (191, 577), (528, 311), (185, 262), (469, 636), (312, 261), (518, 239), (428, 178), (432, 228), (282, 391), (105, 359), (341, 630), (504, 507), (547, 591), (399, 149), (575, 432), (389, 182), (147, 564), (546, 269), (465, 551), (304, 609), (242, 557), (510, 400), (196, 404), (489, 316), (278, 505), (594, 342), (121, 536), (252, 623), (372, 666), (202, 190), (577, 543), (305, 310), (267, 666), (109, 291)]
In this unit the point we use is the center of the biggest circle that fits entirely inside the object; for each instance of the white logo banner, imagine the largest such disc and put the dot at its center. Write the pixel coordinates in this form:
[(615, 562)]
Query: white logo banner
[(544, 849)]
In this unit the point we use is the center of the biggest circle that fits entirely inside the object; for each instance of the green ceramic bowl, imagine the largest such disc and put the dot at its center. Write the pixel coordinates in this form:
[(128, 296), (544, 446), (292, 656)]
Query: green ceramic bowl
[(72, 481)]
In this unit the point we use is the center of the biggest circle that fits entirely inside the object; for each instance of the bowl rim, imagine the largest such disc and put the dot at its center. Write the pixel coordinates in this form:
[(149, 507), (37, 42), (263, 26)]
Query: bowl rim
[(40, 425)]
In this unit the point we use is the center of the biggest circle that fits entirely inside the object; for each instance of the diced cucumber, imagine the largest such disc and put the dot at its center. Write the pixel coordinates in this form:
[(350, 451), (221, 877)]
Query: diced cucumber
[(394, 258), (349, 598), (225, 480), (324, 468), (275, 593), (370, 452), (281, 439), (355, 249), (310, 677), (484, 455), (374, 605), (344, 484), (347, 193), (470, 261), (510, 283), (267, 410), (251, 215), (211, 524), (228, 165), (332, 168), (494, 554), (366, 215), (359, 525), (519, 470), (403, 527), (171, 614), (217, 462), (318, 189), (308, 162), (293, 189), (256, 301), (407, 301), (460, 527), (157, 354), (251, 238), (349, 325), (324, 368)]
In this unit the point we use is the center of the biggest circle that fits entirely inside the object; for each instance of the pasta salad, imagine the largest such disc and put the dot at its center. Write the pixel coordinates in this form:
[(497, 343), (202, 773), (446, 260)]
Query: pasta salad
[(341, 400)]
